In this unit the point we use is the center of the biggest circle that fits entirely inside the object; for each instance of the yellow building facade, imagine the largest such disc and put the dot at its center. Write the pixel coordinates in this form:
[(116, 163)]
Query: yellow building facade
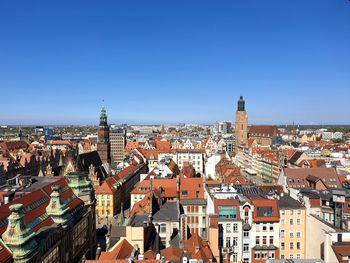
[(292, 228)]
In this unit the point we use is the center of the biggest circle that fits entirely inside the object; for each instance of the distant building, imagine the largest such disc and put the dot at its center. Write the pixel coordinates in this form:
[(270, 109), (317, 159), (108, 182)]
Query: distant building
[(117, 139), (241, 126)]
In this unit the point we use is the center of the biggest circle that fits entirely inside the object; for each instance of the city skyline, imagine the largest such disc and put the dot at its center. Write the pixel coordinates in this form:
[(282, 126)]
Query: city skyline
[(174, 63)]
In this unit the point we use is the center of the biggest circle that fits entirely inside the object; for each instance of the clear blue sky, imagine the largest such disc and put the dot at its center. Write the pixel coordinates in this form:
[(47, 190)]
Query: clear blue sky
[(174, 61)]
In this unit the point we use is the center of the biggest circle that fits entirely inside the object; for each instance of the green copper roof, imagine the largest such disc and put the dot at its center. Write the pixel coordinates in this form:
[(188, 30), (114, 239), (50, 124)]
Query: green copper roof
[(56, 208)]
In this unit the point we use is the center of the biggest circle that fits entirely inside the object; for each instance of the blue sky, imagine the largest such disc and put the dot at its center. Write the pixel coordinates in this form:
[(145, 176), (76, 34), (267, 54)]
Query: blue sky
[(174, 61)]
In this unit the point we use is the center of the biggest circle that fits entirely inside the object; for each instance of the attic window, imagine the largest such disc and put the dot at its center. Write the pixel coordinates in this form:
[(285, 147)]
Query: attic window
[(184, 193), (264, 211)]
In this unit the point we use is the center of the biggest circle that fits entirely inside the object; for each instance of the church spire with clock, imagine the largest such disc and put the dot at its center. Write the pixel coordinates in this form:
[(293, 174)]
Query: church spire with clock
[(103, 144)]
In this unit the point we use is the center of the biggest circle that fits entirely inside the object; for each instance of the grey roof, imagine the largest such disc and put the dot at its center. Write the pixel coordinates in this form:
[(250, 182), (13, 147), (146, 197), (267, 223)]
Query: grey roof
[(288, 202), (295, 156), (169, 211), (175, 242), (194, 202), (139, 220)]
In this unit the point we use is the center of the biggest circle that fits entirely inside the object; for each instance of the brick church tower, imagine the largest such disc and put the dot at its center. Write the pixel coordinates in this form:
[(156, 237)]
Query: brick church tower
[(241, 127), (103, 144)]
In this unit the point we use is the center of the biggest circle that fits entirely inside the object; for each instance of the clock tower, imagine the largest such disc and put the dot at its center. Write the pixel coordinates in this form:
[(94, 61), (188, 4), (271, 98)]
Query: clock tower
[(103, 144)]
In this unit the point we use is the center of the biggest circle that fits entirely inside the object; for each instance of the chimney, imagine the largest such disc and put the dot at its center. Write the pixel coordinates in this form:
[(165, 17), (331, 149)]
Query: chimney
[(18, 237)]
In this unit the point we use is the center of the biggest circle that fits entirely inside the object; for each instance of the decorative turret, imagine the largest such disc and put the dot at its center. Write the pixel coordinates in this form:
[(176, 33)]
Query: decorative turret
[(81, 186), (18, 237), (93, 176), (56, 208)]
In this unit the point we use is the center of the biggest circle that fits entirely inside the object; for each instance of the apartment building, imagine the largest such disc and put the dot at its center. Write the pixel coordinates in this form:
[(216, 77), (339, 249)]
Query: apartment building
[(292, 228)]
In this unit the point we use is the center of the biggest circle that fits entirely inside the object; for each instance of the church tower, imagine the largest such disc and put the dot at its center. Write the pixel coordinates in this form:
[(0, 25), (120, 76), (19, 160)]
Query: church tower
[(103, 144), (241, 126)]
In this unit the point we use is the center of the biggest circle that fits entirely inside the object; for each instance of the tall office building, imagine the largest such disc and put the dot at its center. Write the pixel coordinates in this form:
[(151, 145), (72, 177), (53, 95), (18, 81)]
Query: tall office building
[(117, 139), (103, 144), (241, 127)]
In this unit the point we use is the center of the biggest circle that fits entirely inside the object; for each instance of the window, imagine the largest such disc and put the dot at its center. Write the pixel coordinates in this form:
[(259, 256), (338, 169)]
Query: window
[(298, 256), (264, 240), (257, 240), (291, 245), (282, 256), (228, 242), (298, 245), (184, 193), (264, 255), (257, 255), (298, 221), (282, 246), (264, 211), (291, 256), (272, 255), (299, 211), (283, 212), (228, 228), (298, 234), (235, 241), (246, 233), (291, 234), (271, 228), (282, 221), (282, 233), (291, 221), (291, 212), (264, 228), (271, 240), (245, 247), (235, 227), (162, 228)]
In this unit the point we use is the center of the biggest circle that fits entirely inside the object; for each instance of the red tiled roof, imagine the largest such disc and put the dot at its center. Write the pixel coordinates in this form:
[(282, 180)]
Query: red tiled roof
[(172, 253), (121, 251), (194, 187), (265, 203), (263, 130), (198, 248)]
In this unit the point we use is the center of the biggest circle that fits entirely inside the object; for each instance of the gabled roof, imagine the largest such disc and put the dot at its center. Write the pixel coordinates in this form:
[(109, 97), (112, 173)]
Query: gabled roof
[(297, 177), (263, 130), (198, 248), (172, 253), (122, 250)]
